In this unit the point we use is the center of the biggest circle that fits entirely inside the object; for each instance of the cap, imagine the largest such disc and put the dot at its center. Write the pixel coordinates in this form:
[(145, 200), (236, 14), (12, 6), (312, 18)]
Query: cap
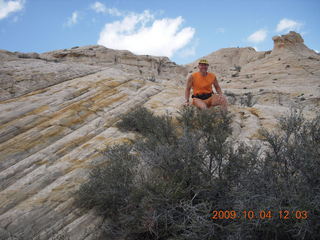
[(204, 61)]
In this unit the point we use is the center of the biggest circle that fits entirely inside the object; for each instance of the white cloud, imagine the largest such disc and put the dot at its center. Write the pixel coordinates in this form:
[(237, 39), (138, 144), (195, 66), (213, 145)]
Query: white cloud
[(258, 36), (220, 30), (288, 25), (143, 34), (8, 7), (73, 19), (98, 7), (316, 50), (256, 48), (101, 8)]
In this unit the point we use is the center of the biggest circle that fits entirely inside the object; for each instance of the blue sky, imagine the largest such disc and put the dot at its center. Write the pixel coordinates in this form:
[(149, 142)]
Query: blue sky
[(182, 30)]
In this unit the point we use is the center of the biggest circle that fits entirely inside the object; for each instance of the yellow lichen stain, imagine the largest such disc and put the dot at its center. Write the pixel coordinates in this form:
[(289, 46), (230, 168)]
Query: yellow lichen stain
[(110, 122), (59, 193), (52, 132), (256, 136), (95, 155), (22, 97), (41, 162), (100, 138), (116, 141), (243, 115), (108, 91), (124, 140), (113, 84), (70, 169), (106, 79), (73, 144), (38, 110), (154, 104), (83, 104), (106, 102), (86, 145), (63, 187), (36, 92), (73, 118), (254, 111), (33, 112), (6, 196), (76, 164), (78, 112), (105, 84), (40, 200), (82, 163), (26, 143), (80, 91), (74, 107), (55, 124)]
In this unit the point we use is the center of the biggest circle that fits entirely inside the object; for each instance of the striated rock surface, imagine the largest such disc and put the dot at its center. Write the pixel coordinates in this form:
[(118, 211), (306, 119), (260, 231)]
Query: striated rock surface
[(21, 73), (289, 75), (58, 111)]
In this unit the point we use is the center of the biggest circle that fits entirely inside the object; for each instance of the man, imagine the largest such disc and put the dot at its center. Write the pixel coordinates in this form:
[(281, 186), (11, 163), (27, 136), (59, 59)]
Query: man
[(201, 82)]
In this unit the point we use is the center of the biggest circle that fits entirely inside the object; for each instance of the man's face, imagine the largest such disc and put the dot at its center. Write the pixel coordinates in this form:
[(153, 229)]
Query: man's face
[(203, 67)]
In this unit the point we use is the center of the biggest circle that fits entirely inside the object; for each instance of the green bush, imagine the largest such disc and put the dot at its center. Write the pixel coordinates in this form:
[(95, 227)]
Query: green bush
[(110, 186), (167, 183), (158, 128)]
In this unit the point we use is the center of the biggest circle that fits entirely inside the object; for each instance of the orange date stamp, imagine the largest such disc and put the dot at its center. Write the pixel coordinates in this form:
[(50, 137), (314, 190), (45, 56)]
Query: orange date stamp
[(261, 214)]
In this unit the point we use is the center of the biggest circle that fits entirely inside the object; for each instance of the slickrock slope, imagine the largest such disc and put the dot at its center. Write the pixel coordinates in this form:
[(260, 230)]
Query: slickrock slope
[(50, 137), (58, 110), (289, 75), (21, 73)]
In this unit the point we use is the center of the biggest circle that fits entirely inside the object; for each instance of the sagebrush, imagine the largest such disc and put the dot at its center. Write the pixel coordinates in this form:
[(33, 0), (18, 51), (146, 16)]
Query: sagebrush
[(167, 183)]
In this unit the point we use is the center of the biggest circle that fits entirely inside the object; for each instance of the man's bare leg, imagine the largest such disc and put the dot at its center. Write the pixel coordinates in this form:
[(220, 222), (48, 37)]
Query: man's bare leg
[(199, 103), (221, 100)]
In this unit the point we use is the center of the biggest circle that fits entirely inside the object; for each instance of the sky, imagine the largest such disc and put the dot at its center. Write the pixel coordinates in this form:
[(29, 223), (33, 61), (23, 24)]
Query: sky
[(181, 30)]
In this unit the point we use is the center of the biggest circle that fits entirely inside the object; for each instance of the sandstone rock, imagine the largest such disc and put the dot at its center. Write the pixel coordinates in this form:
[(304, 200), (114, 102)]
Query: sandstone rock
[(58, 112), (34, 71), (226, 60), (291, 42), (7, 56), (22, 76), (28, 55), (98, 55)]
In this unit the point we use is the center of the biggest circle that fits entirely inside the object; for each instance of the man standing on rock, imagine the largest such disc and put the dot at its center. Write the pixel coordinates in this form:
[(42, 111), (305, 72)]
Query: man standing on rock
[(201, 82)]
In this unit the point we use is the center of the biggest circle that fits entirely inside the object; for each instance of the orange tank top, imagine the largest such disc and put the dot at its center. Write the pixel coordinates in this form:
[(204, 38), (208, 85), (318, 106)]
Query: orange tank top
[(202, 84)]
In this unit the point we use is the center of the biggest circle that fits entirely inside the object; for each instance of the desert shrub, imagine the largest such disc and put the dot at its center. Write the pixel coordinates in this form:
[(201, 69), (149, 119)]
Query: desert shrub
[(286, 179), (248, 100), (167, 183), (109, 186), (158, 128)]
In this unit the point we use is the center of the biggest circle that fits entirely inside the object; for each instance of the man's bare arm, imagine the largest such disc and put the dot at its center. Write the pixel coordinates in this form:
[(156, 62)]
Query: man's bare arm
[(188, 88), (217, 87)]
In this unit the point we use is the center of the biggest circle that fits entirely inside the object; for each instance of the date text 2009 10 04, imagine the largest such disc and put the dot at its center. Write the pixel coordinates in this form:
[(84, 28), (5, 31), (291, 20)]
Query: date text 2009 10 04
[(262, 214)]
